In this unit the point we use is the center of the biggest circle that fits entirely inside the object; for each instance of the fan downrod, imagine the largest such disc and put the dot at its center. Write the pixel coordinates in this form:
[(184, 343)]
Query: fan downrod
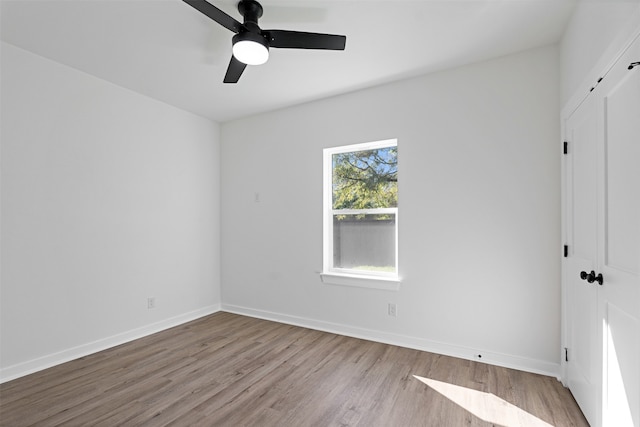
[(251, 10)]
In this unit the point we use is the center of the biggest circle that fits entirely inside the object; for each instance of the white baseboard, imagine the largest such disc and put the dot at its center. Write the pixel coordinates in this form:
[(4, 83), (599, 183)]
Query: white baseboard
[(21, 369), (505, 360), (508, 361)]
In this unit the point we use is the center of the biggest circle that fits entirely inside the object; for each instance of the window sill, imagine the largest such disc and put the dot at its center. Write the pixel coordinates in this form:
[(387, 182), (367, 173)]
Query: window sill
[(361, 281)]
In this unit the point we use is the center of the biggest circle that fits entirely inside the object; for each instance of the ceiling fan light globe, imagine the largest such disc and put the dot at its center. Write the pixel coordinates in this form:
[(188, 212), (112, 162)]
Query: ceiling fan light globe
[(250, 49)]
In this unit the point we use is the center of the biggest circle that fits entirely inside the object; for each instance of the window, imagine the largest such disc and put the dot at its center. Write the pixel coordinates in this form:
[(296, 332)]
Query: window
[(361, 215)]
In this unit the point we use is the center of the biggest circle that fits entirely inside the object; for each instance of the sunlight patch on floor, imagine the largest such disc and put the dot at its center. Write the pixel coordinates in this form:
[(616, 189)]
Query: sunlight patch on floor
[(486, 406)]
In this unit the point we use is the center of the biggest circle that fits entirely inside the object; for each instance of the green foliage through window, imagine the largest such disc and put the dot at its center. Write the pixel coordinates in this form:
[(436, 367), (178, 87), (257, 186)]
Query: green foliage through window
[(366, 179)]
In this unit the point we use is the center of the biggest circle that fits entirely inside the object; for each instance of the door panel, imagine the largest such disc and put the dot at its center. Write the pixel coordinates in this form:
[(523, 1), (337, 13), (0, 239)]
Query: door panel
[(622, 145), (582, 182)]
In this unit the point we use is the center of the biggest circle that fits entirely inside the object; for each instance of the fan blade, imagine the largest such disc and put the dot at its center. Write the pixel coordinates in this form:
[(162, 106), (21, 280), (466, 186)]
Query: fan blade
[(216, 14), (234, 71), (300, 40)]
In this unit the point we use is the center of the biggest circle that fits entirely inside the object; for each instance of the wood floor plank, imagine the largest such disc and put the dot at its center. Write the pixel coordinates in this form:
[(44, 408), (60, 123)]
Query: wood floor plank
[(231, 370)]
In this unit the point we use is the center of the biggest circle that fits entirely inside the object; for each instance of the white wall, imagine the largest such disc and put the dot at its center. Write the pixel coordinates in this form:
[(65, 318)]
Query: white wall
[(108, 198), (595, 26), (479, 212)]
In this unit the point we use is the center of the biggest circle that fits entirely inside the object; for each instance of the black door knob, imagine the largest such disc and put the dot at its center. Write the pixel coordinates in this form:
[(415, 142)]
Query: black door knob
[(599, 279), (591, 277)]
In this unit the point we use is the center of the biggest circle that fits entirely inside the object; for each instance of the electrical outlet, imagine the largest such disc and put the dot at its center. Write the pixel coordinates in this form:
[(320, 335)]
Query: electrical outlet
[(393, 310), (151, 302)]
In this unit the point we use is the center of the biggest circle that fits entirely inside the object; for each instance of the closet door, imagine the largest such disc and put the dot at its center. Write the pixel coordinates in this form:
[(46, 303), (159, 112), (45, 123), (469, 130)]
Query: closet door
[(581, 225), (602, 270), (619, 240)]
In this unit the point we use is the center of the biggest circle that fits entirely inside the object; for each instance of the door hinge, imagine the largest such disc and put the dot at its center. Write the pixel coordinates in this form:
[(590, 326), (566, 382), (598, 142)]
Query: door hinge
[(566, 251), (566, 354), (566, 148)]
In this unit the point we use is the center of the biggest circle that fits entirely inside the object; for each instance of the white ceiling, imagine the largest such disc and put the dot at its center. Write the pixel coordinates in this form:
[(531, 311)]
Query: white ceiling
[(169, 51)]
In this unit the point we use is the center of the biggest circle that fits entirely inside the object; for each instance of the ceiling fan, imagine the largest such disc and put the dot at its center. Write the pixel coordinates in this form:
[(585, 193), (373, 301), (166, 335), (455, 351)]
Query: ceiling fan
[(251, 43)]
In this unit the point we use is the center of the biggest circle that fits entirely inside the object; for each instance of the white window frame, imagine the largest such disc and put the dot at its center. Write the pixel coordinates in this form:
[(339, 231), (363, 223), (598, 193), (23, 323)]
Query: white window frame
[(344, 276)]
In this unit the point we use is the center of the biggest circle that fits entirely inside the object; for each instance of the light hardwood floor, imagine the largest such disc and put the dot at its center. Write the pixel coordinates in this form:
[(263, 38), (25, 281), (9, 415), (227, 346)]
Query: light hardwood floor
[(231, 370)]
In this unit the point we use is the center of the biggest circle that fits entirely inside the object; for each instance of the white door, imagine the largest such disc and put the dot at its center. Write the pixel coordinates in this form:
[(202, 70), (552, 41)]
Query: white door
[(602, 208), (619, 241), (581, 226)]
